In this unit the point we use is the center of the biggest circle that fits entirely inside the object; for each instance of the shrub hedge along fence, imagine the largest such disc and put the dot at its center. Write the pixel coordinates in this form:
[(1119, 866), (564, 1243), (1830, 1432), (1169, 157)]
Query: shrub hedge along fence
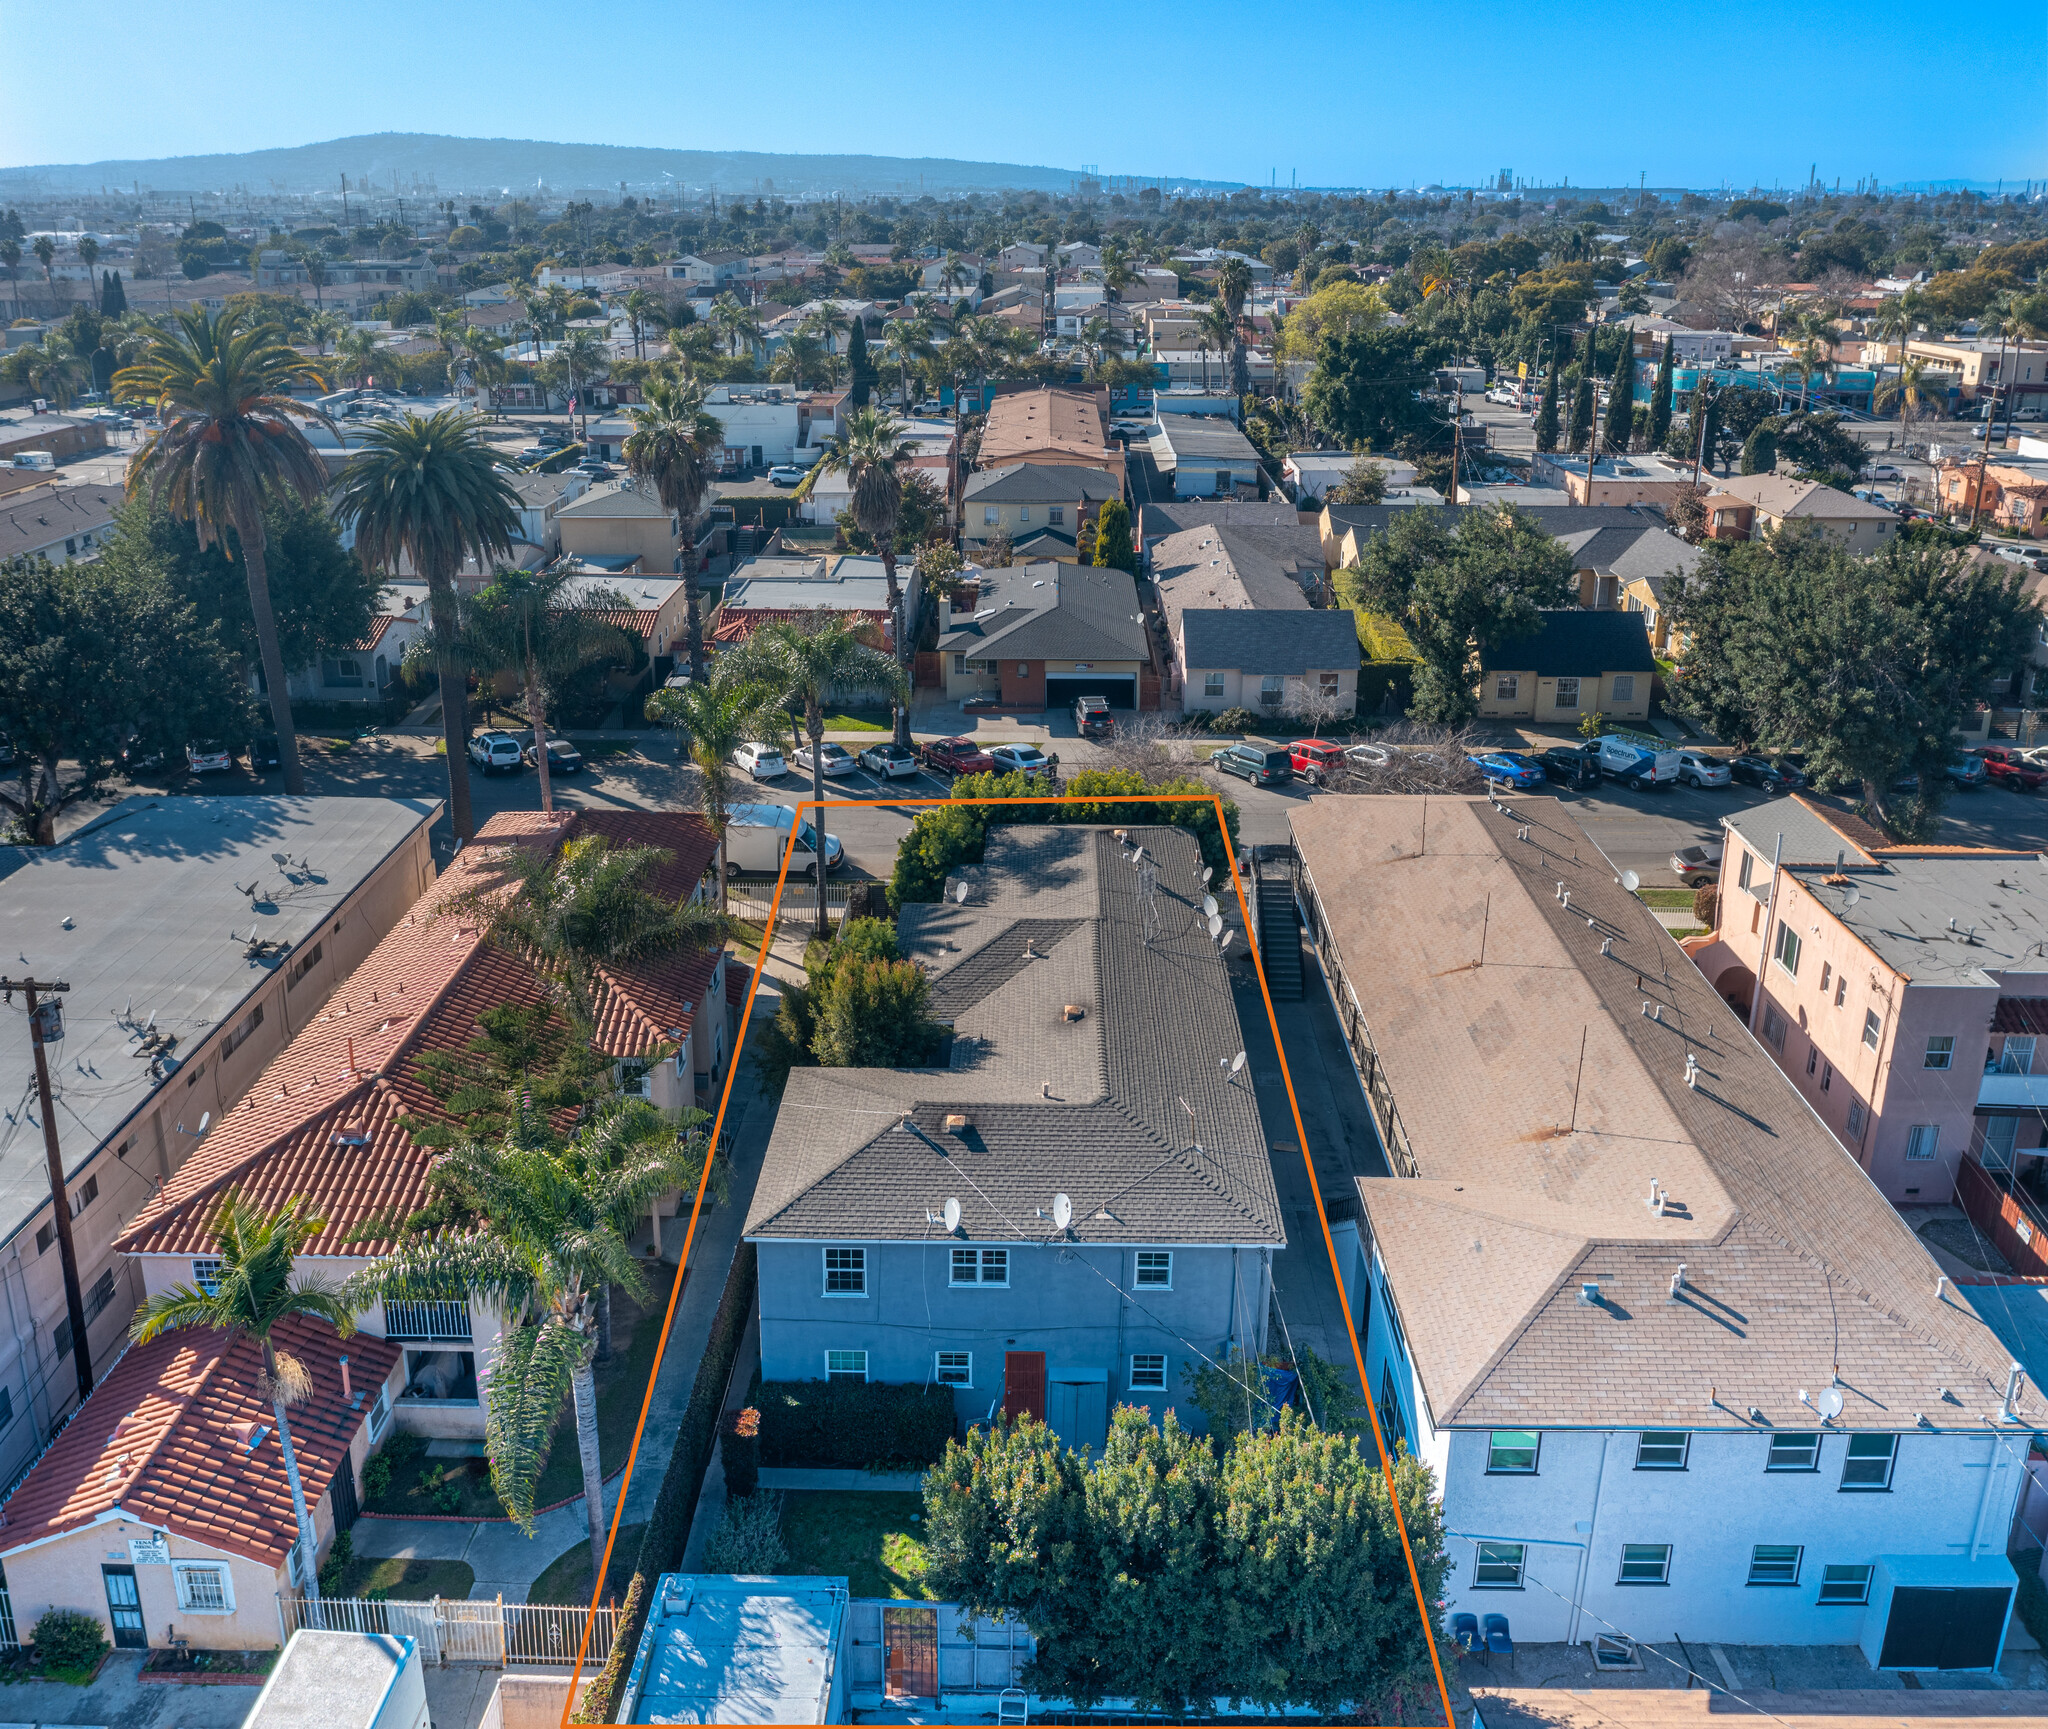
[(854, 1425)]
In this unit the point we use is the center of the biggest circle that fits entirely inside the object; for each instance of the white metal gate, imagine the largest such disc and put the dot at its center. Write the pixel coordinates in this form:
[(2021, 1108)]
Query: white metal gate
[(462, 1630)]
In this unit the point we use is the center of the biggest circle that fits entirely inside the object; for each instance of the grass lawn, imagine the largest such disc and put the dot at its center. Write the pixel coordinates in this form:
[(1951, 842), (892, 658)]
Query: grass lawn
[(1669, 899), (875, 1540), (567, 1579), (863, 720), (417, 1482), (407, 1581)]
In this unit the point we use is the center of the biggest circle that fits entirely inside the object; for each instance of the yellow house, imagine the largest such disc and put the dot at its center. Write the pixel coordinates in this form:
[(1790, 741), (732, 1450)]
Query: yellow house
[(163, 1510), (1573, 664), (613, 525)]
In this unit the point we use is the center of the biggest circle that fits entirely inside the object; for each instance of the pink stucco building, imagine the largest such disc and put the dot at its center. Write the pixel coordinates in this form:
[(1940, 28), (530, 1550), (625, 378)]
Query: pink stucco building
[(1905, 989)]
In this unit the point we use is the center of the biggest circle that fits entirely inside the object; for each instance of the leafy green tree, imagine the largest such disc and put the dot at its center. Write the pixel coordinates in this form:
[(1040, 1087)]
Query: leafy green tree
[(428, 491), (1364, 482), (1868, 664), (874, 1015), (1760, 449), (230, 444), (1113, 548), (1363, 389), (256, 1290), (1457, 593), (1546, 414), (559, 1209), (1621, 398), (1660, 402), (90, 655), (940, 837)]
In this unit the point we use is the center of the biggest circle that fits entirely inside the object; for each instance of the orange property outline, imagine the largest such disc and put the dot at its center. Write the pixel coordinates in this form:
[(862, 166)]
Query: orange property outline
[(1293, 1104)]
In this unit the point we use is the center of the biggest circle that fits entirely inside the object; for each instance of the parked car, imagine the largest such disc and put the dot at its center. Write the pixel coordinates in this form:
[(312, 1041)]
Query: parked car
[(209, 756), (888, 761), (263, 753), (1694, 862), (1884, 471), (496, 752), (787, 474), (956, 756), (1020, 759), (1575, 765), (757, 834), (762, 761), (832, 759), (594, 466), (1696, 768), (1762, 771), (536, 453), (1368, 756), (1640, 764), (1092, 718), (1315, 760), (563, 757), (1260, 764), (138, 757), (550, 435), (1515, 767), (2009, 767), (1967, 771)]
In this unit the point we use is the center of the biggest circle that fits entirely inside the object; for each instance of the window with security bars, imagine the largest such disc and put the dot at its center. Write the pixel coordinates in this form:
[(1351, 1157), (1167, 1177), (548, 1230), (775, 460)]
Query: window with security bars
[(1775, 1564), (1155, 1269), (1645, 1564), (203, 1590), (1793, 1450), (1845, 1584), (1148, 1371), (1869, 1461), (846, 1272), (1662, 1449), (981, 1267), (954, 1368)]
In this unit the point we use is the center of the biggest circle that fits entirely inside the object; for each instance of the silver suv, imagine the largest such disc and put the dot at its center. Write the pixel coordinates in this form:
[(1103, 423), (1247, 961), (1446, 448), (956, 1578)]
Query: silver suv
[(495, 752)]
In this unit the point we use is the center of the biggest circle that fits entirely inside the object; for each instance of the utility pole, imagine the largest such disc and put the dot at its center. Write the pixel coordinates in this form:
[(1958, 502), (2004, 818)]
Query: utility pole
[(1990, 421), (44, 1018)]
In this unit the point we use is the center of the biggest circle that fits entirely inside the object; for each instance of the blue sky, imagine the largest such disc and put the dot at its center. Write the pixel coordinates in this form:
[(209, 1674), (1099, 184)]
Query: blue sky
[(1339, 93)]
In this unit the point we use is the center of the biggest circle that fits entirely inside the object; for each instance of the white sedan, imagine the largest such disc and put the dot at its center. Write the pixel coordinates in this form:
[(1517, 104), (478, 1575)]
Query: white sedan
[(762, 761), (832, 759), (1019, 759)]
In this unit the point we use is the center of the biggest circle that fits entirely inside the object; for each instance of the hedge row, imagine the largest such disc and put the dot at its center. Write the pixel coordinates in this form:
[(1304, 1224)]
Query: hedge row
[(854, 1425), (668, 1527)]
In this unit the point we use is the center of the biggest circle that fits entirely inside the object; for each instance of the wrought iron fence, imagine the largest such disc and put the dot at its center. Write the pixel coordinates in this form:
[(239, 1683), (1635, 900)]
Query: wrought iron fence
[(407, 1319)]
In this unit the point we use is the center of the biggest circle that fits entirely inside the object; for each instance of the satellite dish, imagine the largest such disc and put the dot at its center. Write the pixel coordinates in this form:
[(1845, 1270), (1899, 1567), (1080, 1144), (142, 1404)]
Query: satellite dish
[(1225, 943), (952, 1214), (960, 894), (1830, 1402), (1237, 1063), (1207, 872), (1209, 906), (1062, 1212), (1851, 895), (1630, 881), (1215, 926), (205, 1117)]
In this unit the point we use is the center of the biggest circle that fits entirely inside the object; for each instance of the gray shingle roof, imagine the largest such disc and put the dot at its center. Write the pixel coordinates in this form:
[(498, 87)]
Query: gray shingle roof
[(1158, 520), (1041, 483), (1571, 643), (1097, 1108), (1053, 612), (1271, 642)]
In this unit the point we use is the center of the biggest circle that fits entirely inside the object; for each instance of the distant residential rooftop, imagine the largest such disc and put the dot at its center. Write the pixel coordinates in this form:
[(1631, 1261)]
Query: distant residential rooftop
[(723, 1648)]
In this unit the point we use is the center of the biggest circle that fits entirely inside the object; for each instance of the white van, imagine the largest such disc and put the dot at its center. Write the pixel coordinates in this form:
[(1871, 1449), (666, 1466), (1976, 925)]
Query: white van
[(757, 834), (1638, 760), (41, 460)]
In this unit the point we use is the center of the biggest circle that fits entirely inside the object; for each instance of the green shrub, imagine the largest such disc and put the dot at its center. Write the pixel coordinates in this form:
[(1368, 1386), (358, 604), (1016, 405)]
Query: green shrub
[(739, 1449), (1706, 904), (749, 1537), (854, 1425), (377, 1478), (1235, 720), (66, 1639)]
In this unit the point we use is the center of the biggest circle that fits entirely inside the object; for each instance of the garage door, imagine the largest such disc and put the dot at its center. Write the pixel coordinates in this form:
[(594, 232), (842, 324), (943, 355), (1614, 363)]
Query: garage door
[(1121, 690), (1932, 1628)]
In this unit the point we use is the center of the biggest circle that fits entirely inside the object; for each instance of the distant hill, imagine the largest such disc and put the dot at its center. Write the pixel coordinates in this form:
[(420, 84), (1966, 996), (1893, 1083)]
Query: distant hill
[(453, 166)]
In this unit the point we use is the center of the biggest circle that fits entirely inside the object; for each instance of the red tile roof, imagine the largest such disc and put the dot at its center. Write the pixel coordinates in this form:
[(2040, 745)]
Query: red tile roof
[(2020, 1015), (158, 1441), (322, 1122)]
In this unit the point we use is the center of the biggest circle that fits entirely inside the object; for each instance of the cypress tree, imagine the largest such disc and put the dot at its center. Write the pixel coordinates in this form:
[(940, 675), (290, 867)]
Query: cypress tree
[(113, 297), (1621, 397), (1546, 415), (1660, 401), (1580, 427), (860, 372), (1113, 537)]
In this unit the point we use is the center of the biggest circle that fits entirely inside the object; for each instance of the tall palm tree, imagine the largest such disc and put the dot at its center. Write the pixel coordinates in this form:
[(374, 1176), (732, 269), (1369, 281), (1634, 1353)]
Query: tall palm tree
[(89, 255), (639, 305), (355, 354), (1214, 328), (483, 352), (45, 250), (1117, 274), (802, 664), (830, 320), (10, 255), (872, 453), (673, 443), (537, 626), (428, 490), (587, 357), (716, 716), (1233, 289), (1912, 389), (1813, 349), (254, 1291), (324, 329), (230, 440), (801, 360), (907, 342), (953, 273), (558, 1212)]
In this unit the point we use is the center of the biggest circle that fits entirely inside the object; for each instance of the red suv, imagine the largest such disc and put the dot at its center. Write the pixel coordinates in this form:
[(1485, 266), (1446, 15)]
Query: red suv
[(1314, 760), (957, 756), (2008, 766)]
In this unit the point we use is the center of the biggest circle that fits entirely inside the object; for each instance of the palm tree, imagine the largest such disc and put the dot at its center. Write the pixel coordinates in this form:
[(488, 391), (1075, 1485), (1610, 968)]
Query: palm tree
[(230, 441), (428, 490), (45, 249), (801, 359), (953, 273), (89, 255), (803, 663), (484, 359), (717, 716), (536, 626), (872, 453), (253, 1292), (586, 357), (673, 443), (355, 354), (10, 255), (829, 319), (639, 305), (1214, 328), (1912, 389), (907, 342), (1813, 349), (1096, 335), (558, 1212), (1233, 289), (326, 328), (1117, 274)]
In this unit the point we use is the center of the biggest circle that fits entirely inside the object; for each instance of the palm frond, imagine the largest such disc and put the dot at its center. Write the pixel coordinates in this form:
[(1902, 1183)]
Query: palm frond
[(532, 1370)]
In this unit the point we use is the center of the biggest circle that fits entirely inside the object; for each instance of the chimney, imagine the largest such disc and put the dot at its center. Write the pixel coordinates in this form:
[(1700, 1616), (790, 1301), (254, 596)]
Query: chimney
[(958, 1122), (344, 1379)]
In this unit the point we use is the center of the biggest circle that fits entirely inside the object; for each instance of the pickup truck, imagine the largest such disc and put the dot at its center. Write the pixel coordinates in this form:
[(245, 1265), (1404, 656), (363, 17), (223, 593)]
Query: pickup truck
[(2006, 766), (956, 756)]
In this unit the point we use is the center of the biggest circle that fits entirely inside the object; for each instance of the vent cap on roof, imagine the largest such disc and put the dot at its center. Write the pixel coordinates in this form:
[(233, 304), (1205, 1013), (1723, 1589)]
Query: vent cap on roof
[(355, 1133)]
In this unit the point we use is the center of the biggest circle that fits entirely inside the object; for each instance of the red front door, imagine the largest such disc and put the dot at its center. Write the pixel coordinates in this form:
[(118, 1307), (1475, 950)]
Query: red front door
[(1024, 1383)]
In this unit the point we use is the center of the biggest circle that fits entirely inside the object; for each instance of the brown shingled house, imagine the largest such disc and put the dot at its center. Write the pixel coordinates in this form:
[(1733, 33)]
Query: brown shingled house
[(1051, 426)]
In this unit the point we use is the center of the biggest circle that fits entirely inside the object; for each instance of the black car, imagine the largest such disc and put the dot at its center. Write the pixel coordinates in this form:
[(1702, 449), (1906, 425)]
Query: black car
[(263, 752), (563, 757), (1574, 765), (1762, 771), (1261, 764), (138, 757)]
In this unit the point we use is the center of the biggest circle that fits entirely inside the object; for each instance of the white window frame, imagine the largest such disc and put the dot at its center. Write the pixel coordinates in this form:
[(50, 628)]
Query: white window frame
[(1558, 698), (1507, 687), (1889, 1458), (1640, 1556), (206, 1270), (1495, 1555), (1148, 1379), (953, 1368), (1495, 1447), (1056, 514), (2017, 1058), (1810, 1458), (1212, 684), (846, 1372), (1873, 1029), (990, 516), (1684, 1449), (1785, 951), (1272, 689), (182, 1572), (1161, 1261), (858, 1265), (1923, 1141), (1941, 1051), (1797, 1552), (380, 1412), (1844, 1576), (980, 1265), (1625, 691)]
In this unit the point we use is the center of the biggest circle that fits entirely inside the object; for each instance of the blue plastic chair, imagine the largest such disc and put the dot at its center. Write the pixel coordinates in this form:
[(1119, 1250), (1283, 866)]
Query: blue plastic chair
[(1498, 1639), (1465, 1633)]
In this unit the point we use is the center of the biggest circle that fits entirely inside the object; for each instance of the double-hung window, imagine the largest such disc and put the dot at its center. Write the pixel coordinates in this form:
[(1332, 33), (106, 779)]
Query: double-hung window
[(1498, 1567), (981, 1267), (954, 1368), (1774, 1564), (1155, 1269), (1212, 684), (1148, 1371), (1645, 1564), (1873, 1028), (1869, 1461), (1941, 1052), (1662, 1449), (846, 1272), (1512, 1452), (1794, 1450), (1844, 1584), (846, 1365), (1786, 949)]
